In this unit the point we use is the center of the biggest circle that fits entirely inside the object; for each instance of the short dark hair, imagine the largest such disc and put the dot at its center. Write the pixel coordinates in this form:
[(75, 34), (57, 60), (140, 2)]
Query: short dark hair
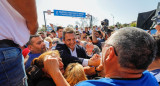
[(30, 42), (108, 33), (90, 37), (157, 39), (136, 48), (53, 31), (48, 34), (59, 27), (99, 32), (67, 30), (41, 33)]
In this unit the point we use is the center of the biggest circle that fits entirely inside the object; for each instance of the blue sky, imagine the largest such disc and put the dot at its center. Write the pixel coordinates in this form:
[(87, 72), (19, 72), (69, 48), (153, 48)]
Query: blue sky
[(124, 11)]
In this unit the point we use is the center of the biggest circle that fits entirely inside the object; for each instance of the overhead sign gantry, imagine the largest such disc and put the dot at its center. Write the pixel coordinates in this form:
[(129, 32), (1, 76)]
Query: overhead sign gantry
[(67, 14)]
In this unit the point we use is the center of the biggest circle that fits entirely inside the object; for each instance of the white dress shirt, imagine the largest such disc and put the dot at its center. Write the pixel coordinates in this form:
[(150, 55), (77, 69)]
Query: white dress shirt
[(74, 53)]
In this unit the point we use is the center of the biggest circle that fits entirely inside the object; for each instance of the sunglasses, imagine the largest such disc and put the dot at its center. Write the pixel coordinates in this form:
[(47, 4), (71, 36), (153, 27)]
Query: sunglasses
[(113, 48)]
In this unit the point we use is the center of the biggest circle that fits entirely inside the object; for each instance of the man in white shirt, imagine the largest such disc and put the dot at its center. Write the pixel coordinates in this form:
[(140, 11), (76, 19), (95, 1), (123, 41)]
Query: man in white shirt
[(18, 19), (70, 52), (116, 27)]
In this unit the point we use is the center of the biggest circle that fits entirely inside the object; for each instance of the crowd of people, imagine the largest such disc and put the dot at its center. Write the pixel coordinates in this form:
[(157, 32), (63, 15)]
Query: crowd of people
[(73, 56)]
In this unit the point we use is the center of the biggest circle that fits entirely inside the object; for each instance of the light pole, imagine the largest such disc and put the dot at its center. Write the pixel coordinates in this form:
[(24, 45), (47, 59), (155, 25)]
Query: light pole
[(45, 20), (113, 19), (49, 13), (88, 15)]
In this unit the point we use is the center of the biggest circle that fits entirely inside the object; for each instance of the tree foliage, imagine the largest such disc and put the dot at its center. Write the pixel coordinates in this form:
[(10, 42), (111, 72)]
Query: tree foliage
[(85, 22), (133, 24)]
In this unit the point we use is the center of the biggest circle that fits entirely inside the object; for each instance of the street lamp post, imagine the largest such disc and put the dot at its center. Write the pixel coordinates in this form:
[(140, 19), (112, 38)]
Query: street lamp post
[(91, 19), (45, 20), (49, 13), (113, 19)]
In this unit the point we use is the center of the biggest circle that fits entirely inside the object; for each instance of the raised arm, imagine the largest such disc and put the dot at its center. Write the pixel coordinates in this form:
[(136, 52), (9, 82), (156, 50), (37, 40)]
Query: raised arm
[(27, 8), (94, 39), (51, 65), (158, 29)]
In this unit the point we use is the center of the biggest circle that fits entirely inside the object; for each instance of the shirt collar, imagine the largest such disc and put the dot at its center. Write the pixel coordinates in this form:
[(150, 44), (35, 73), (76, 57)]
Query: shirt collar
[(73, 50)]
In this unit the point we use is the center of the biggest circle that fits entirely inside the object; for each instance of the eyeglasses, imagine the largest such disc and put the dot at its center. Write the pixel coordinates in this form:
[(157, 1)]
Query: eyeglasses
[(113, 48)]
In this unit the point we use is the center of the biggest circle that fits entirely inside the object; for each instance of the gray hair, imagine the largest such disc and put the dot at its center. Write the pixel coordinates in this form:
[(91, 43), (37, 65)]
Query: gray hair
[(67, 30), (136, 48), (96, 50)]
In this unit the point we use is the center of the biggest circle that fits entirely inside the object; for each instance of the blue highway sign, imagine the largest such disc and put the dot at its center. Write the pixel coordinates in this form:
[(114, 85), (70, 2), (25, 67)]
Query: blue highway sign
[(69, 13)]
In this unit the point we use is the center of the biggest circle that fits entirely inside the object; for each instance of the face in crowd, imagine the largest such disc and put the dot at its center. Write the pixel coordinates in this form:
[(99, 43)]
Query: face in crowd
[(54, 55), (86, 29), (53, 34), (37, 45), (70, 40), (60, 31), (96, 34), (39, 62)]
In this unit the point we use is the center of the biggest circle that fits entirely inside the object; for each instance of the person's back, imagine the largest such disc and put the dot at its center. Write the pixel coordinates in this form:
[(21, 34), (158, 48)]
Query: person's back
[(146, 80)]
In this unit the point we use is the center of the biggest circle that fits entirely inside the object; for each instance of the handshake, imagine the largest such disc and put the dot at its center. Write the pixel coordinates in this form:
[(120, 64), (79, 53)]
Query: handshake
[(94, 64), (95, 60)]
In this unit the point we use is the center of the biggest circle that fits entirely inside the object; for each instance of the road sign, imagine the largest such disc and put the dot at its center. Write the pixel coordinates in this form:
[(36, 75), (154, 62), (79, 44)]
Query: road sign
[(69, 13)]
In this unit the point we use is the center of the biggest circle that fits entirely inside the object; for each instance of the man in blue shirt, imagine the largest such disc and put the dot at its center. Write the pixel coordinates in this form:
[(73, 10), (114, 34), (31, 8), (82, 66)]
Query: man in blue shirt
[(125, 57), (36, 46), (154, 68)]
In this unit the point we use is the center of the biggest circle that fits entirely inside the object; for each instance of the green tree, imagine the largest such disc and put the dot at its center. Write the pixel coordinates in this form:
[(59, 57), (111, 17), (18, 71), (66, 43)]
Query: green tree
[(118, 24), (125, 25), (86, 21), (133, 24)]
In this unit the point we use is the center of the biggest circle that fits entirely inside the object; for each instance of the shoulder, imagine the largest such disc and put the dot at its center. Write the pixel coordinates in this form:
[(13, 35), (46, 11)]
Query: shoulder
[(78, 46), (100, 82), (60, 45), (149, 78), (147, 73), (156, 74)]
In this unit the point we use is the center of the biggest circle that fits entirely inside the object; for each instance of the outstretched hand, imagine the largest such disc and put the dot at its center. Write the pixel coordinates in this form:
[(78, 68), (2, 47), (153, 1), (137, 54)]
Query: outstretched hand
[(95, 60)]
